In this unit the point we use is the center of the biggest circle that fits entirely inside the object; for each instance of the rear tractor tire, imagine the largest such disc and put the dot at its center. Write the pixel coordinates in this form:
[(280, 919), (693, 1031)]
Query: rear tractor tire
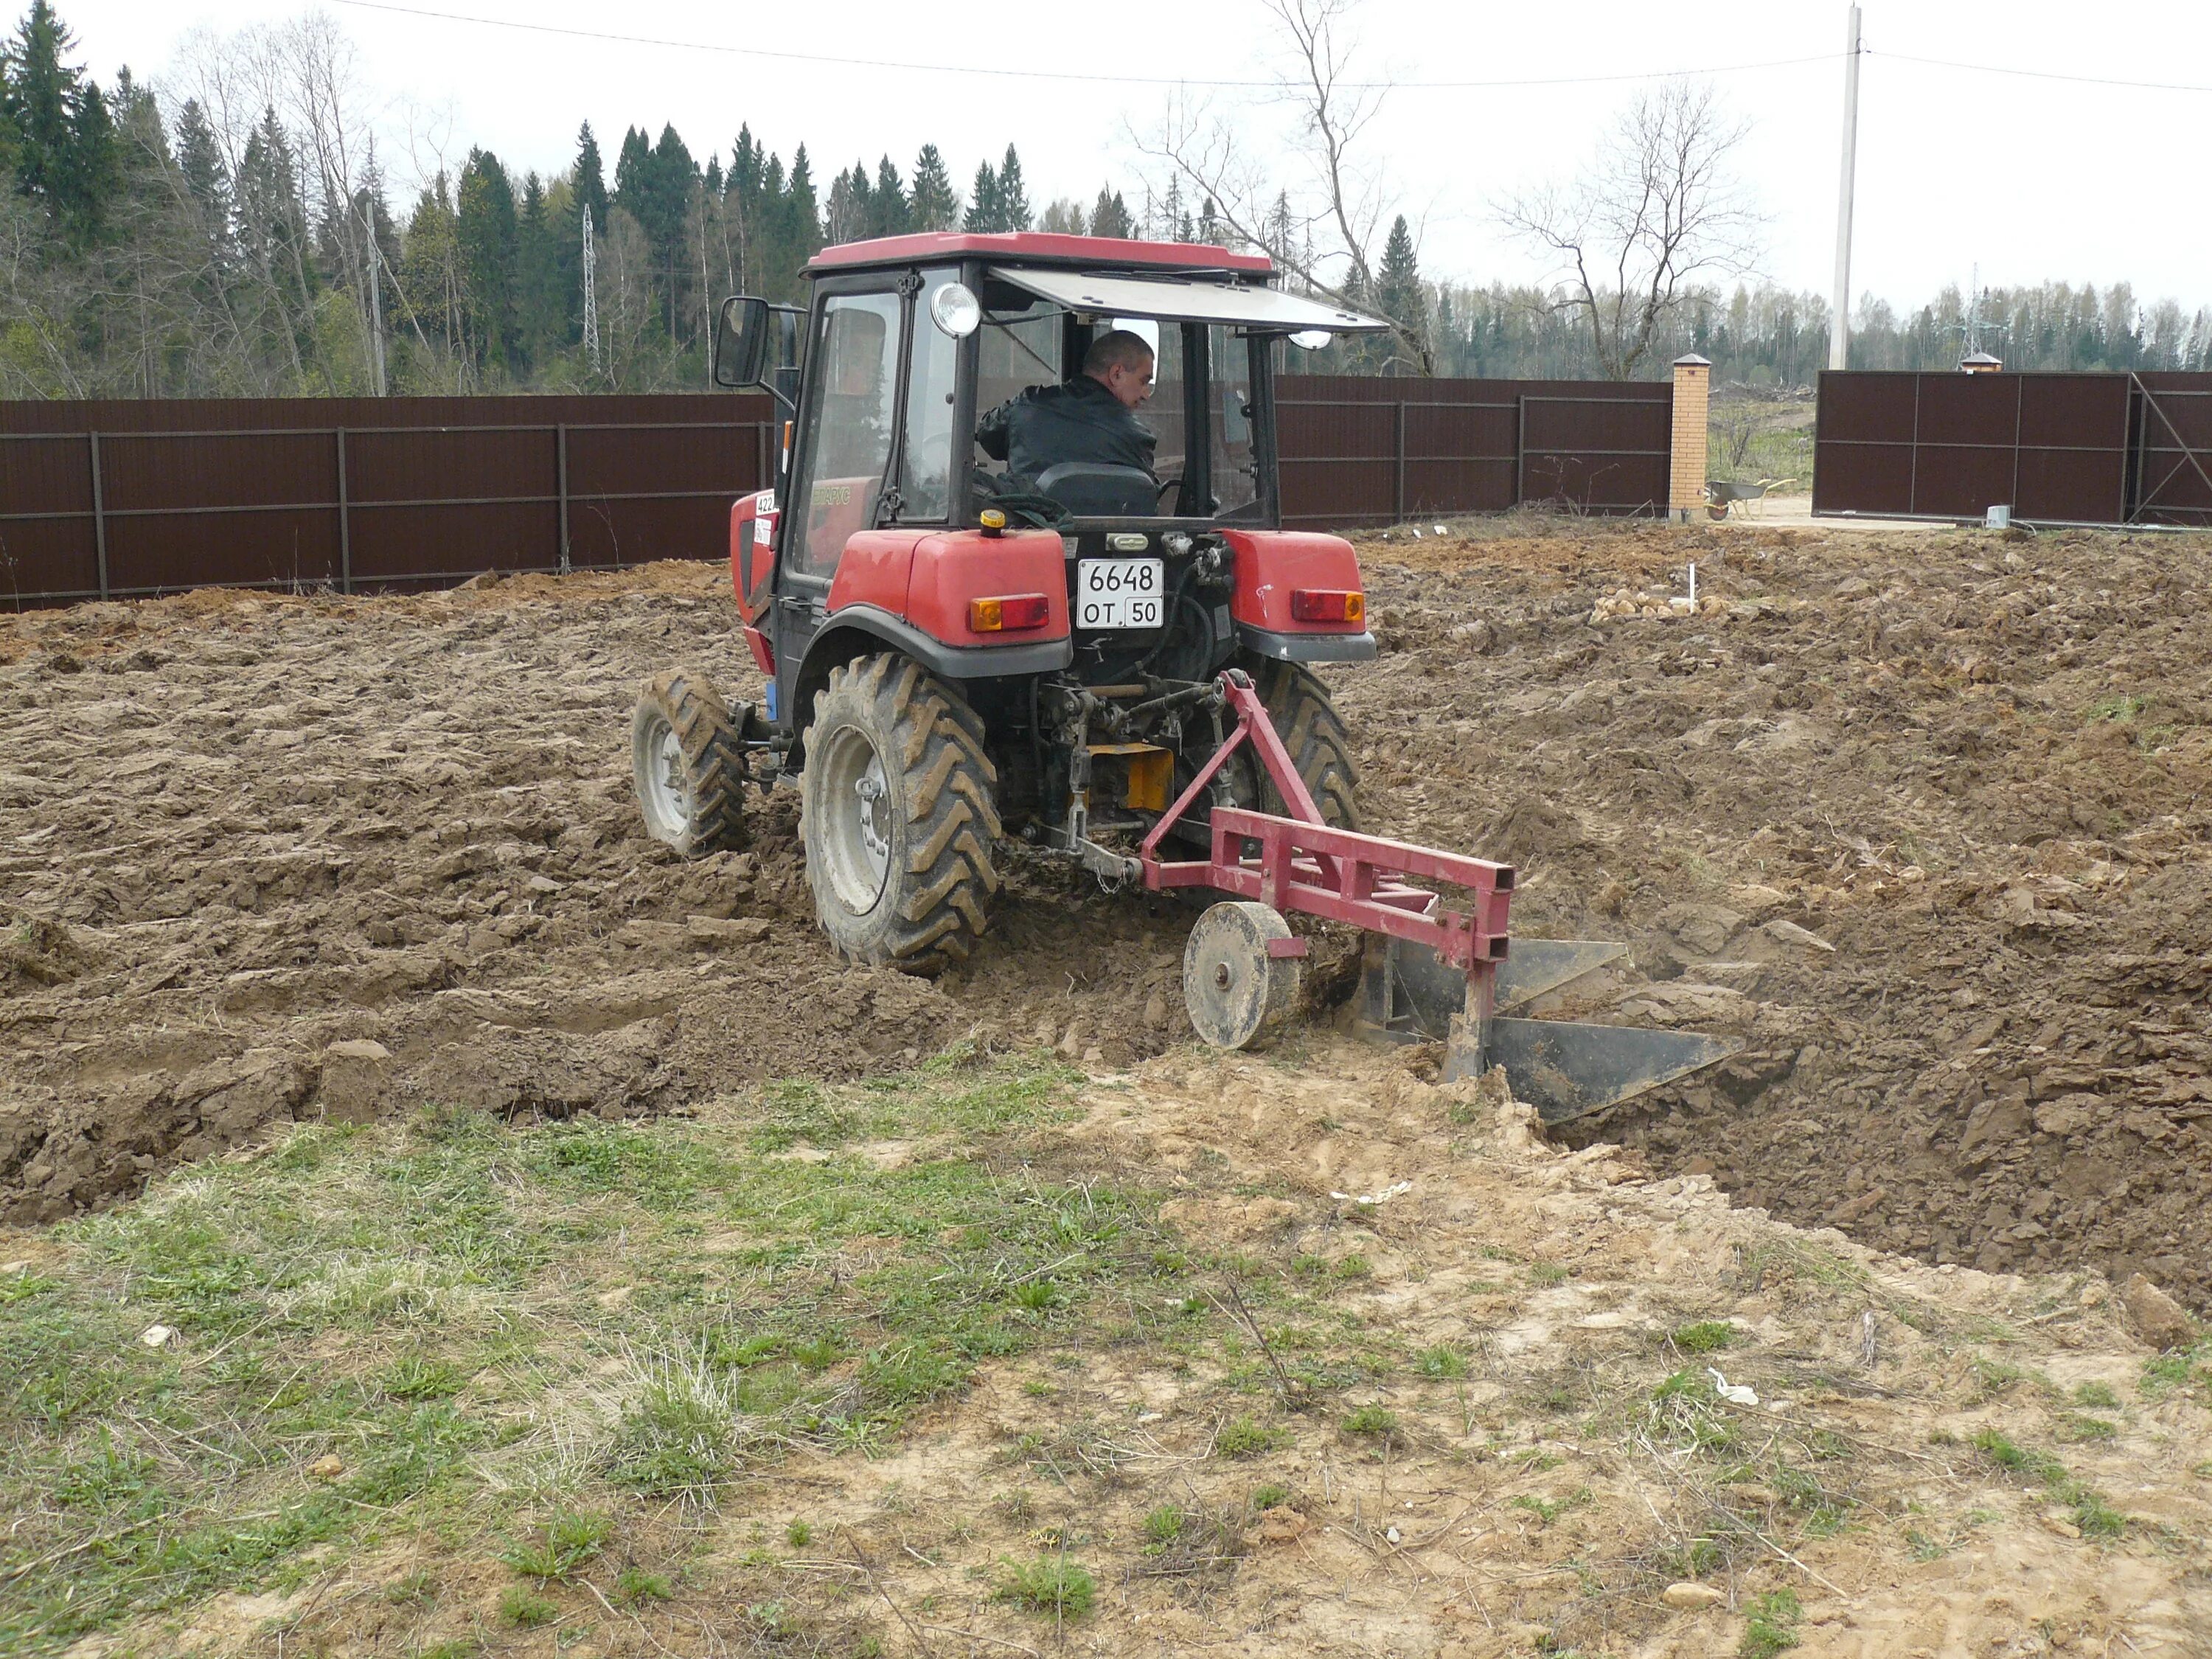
[(898, 804), (688, 765), (1320, 748)]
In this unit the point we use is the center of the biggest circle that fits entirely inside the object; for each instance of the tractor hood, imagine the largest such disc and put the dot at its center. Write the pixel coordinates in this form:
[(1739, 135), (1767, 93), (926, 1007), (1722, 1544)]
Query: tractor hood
[(1188, 299)]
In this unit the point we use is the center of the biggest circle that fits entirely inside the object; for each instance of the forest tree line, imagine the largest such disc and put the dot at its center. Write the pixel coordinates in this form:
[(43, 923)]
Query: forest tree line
[(237, 235)]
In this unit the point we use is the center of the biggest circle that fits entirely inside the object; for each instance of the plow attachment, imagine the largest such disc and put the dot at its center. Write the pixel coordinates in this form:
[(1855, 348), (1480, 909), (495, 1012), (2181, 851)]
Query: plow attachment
[(1430, 973)]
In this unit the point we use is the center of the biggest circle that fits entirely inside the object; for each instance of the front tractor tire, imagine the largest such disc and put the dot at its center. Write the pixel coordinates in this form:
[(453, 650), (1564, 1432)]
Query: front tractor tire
[(1320, 748), (898, 805), (688, 765)]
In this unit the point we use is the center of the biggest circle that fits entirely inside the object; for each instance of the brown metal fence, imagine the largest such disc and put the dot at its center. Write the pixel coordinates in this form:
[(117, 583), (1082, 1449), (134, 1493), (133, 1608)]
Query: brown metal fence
[(2087, 449), (1358, 451), (125, 499)]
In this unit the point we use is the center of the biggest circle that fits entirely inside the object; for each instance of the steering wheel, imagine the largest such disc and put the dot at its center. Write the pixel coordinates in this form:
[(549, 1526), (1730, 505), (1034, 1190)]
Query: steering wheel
[(1160, 494)]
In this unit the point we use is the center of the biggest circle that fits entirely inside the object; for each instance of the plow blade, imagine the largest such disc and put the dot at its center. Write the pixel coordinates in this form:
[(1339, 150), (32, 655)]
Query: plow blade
[(1406, 992), (1562, 1068)]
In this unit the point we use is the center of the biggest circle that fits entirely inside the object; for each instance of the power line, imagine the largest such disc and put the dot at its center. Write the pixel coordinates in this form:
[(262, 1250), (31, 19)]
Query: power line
[(991, 72), (2039, 74)]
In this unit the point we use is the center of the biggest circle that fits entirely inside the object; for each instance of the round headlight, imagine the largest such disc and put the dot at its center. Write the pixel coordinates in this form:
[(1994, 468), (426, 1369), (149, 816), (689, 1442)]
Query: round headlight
[(955, 310), (1311, 340)]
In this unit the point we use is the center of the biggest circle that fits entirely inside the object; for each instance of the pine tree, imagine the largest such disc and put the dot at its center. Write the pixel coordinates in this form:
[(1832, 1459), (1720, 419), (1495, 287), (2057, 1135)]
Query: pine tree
[(485, 226), (985, 208), (803, 216), (1110, 215), (200, 164), (272, 236), (890, 214), (1399, 296), (852, 207), (590, 182), (1014, 198), (58, 128), (933, 205)]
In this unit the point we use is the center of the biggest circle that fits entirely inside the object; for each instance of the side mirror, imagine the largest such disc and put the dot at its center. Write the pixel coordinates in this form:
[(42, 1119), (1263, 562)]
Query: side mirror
[(741, 341)]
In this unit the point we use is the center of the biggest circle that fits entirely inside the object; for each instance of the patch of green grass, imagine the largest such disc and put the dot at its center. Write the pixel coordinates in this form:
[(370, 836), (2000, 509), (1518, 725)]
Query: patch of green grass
[(1270, 1496), (1550, 1509), (2121, 706), (2095, 1518), (567, 1542), (2078, 1426), (1773, 1626), (2099, 1395), (1371, 1420), (798, 1534), (417, 1378), (521, 1605), (1050, 1584), (1354, 1265), (1242, 1437), (1440, 1365), (635, 1584), (2176, 1369), (1163, 1527), (1545, 1274), (1705, 1336)]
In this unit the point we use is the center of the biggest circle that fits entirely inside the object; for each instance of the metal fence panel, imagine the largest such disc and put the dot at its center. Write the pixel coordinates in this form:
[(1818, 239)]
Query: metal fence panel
[(2063, 449), (123, 499), (1357, 451)]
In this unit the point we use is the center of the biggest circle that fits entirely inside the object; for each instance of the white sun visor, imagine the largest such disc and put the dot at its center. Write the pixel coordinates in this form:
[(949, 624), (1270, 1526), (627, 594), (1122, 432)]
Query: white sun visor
[(1188, 300)]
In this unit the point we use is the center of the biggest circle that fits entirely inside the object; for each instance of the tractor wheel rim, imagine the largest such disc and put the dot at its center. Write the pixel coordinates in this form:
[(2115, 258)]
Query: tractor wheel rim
[(667, 781), (856, 795)]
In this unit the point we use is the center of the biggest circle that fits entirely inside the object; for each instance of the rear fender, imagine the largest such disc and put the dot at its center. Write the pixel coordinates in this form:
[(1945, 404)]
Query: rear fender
[(1270, 565)]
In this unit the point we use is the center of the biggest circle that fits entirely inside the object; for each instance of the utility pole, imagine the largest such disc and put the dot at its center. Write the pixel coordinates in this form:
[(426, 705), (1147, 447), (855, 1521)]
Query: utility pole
[(375, 301), (591, 291), (1839, 326)]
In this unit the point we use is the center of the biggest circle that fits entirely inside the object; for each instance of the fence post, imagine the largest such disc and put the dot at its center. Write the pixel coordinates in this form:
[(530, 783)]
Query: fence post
[(1686, 472), (345, 522), (1398, 444), (560, 473), (99, 515)]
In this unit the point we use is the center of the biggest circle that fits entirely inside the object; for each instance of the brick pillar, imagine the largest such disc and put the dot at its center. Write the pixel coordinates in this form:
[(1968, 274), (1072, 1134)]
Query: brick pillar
[(1686, 473)]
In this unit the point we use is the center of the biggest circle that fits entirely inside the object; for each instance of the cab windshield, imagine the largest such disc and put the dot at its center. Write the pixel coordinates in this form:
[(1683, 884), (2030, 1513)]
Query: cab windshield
[(1199, 415)]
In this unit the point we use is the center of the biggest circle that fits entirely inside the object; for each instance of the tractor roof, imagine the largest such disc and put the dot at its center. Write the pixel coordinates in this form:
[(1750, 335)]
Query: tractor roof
[(1038, 247)]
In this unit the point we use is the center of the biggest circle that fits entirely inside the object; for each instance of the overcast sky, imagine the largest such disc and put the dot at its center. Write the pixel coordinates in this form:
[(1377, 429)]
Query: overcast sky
[(2034, 178)]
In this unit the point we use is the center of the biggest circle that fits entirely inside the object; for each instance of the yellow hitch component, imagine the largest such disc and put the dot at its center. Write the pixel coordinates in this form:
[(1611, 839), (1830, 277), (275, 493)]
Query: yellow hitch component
[(1151, 772)]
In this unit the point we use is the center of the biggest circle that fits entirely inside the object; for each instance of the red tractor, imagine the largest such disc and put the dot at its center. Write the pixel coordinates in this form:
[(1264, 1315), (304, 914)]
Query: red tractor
[(1110, 664)]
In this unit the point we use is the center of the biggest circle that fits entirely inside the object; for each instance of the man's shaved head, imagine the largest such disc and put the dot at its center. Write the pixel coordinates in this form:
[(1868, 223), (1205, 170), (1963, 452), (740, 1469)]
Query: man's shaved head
[(1118, 348), (1120, 360)]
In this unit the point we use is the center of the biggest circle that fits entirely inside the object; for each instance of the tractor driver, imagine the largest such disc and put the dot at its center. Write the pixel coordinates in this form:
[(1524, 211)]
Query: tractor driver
[(1091, 417)]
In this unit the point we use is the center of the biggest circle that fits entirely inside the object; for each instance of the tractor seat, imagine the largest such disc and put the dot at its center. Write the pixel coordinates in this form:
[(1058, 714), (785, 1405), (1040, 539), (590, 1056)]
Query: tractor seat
[(1095, 490)]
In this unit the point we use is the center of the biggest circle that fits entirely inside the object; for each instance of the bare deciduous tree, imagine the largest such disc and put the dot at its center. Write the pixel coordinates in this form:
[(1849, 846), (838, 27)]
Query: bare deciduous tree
[(1326, 235), (1658, 207)]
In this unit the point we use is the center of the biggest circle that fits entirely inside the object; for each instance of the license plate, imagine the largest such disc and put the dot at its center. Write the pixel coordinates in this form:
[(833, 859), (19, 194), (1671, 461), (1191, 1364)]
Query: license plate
[(1119, 593)]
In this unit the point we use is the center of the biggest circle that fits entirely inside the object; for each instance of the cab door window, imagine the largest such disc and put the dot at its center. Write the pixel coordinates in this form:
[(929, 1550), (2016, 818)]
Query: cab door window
[(848, 421)]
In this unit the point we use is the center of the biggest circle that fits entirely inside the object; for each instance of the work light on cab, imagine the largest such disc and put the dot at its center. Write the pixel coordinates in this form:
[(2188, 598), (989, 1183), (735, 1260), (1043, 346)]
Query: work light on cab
[(1008, 613), (1319, 604)]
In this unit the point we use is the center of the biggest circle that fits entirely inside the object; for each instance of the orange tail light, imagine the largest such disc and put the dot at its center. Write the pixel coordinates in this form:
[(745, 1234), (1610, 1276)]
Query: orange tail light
[(1009, 613)]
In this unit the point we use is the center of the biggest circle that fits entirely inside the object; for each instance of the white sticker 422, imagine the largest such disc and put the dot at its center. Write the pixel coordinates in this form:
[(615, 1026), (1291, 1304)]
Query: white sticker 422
[(1119, 593)]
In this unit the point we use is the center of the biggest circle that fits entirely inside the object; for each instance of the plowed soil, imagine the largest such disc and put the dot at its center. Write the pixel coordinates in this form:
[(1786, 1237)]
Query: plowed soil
[(1918, 817)]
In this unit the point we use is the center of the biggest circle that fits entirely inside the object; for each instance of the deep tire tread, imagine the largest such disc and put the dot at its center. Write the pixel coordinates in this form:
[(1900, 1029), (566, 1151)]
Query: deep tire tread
[(949, 787), (713, 758), (1320, 746)]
